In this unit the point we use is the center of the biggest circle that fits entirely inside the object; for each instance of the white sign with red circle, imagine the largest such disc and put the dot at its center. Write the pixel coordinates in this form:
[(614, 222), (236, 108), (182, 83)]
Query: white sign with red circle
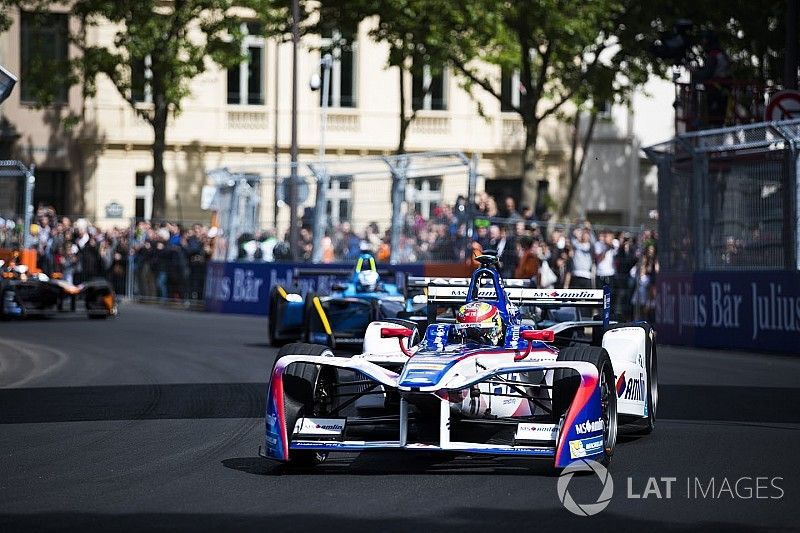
[(784, 105)]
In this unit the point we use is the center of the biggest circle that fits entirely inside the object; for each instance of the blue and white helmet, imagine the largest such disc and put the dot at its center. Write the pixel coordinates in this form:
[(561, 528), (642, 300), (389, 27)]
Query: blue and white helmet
[(368, 281)]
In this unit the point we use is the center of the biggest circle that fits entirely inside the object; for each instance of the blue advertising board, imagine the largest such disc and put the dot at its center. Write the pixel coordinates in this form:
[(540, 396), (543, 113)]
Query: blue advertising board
[(244, 287), (737, 310)]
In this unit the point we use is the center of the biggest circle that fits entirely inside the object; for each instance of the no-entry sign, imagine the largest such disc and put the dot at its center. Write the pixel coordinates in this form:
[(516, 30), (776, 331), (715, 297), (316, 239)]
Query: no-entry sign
[(784, 105)]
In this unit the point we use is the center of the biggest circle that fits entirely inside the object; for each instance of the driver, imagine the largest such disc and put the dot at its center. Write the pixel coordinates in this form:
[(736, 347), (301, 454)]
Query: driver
[(367, 281), (480, 321)]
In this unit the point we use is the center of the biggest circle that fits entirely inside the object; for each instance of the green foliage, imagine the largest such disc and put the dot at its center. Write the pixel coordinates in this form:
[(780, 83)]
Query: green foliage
[(564, 50), (752, 33), (182, 39)]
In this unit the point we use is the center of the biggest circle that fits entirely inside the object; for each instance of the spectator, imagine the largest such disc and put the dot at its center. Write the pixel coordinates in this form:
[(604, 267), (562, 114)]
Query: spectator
[(169, 261), (510, 211), (582, 259), (528, 263), (605, 250)]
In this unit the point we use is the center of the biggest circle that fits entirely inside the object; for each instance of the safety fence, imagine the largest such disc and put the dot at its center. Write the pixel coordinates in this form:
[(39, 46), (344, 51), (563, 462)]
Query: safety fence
[(729, 247), (403, 208), (16, 202), (728, 198)]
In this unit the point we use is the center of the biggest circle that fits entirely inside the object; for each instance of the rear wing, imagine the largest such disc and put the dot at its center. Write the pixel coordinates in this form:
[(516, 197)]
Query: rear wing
[(519, 296), (418, 284), (336, 272)]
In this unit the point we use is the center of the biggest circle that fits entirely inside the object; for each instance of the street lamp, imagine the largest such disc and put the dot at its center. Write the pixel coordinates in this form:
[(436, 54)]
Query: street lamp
[(294, 229), (323, 179)]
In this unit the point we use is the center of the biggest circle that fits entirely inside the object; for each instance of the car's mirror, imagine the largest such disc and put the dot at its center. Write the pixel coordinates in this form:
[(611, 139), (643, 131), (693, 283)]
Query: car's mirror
[(396, 333), (544, 335)]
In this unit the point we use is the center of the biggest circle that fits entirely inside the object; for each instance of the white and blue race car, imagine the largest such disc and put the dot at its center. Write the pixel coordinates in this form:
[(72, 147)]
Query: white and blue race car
[(548, 388)]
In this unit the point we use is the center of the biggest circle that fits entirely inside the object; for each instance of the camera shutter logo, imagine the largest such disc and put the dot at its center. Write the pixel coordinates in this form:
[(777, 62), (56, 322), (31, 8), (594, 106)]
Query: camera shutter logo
[(591, 508)]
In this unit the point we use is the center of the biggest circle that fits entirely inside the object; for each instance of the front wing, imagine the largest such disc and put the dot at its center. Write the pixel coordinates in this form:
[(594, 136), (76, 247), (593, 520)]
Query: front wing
[(576, 437)]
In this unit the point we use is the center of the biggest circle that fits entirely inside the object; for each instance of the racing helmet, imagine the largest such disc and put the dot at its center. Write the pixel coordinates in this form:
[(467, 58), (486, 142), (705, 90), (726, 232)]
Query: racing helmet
[(367, 281), (480, 321)]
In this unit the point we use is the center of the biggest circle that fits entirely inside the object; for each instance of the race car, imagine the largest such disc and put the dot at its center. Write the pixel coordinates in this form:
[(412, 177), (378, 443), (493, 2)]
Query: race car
[(23, 294), (485, 380), (340, 318)]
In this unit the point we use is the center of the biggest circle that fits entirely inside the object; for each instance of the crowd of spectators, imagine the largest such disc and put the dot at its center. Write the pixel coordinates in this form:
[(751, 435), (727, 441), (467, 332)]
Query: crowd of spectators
[(168, 260), (575, 255)]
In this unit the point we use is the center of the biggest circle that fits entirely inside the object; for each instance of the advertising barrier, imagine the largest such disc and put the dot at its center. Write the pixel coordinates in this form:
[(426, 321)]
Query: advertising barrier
[(737, 310), (244, 287)]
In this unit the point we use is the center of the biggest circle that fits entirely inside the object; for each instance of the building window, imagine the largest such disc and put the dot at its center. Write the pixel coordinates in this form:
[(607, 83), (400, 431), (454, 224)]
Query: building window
[(340, 199), (343, 46), (143, 196), (43, 49), (426, 194), (428, 90), (246, 80), (51, 189), (141, 74), (511, 90), (604, 109)]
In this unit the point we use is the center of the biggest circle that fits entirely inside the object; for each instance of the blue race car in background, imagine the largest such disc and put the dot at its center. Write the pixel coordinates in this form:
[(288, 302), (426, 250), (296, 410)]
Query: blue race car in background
[(339, 318)]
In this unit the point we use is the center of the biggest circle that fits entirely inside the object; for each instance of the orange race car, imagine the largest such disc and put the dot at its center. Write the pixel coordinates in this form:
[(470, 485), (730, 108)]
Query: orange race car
[(25, 293)]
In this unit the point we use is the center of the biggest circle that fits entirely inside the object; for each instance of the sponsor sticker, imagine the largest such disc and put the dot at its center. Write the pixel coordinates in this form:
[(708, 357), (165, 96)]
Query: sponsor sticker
[(426, 366), (585, 447), (535, 432), (632, 388), (320, 427), (589, 426), (320, 338)]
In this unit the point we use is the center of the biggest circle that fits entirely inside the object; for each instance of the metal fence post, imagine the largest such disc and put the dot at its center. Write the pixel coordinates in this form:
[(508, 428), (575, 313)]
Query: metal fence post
[(699, 176), (131, 267), (323, 179), (793, 179), (398, 196), (472, 185), (30, 183), (232, 251), (792, 208), (665, 210)]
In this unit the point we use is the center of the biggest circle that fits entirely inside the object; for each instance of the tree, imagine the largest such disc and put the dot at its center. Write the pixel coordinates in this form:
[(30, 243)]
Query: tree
[(569, 57), (409, 28), (177, 40)]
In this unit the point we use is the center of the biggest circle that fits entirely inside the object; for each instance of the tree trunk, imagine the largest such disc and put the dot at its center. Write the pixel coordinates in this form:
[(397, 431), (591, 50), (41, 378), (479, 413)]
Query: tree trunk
[(159, 147), (404, 122), (575, 171), (529, 176)]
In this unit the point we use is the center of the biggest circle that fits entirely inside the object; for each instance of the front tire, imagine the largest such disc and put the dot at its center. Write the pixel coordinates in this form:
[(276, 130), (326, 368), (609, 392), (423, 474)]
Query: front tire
[(566, 383), (306, 393), (646, 425)]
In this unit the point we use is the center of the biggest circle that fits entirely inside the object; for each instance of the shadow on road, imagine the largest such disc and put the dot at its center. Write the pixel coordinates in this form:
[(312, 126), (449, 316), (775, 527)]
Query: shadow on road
[(246, 400), (399, 463), (476, 519)]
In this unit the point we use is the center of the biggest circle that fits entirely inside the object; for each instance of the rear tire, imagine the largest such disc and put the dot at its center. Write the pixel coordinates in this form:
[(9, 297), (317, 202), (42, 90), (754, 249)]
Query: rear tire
[(566, 383), (272, 321), (301, 385), (309, 312)]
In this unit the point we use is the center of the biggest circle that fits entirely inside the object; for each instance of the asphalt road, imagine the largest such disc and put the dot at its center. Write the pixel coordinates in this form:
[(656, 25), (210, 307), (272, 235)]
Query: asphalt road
[(153, 420)]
